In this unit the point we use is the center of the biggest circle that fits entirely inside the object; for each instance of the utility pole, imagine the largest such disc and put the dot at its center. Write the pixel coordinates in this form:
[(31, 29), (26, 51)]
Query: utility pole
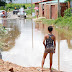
[(41, 6), (31, 7), (59, 9), (26, 1)]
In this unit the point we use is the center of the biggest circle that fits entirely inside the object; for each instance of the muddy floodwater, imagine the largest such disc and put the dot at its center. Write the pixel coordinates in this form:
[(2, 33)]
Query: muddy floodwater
[(26, 48)]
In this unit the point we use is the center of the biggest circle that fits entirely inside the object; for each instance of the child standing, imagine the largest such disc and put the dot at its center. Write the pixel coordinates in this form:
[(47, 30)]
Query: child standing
[(49, 46)]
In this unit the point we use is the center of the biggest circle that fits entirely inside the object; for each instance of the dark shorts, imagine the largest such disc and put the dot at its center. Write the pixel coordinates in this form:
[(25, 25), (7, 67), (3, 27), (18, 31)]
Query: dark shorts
[(49, 50)]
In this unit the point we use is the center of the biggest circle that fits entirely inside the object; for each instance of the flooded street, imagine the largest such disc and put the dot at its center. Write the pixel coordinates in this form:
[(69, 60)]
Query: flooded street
[(26, 45)]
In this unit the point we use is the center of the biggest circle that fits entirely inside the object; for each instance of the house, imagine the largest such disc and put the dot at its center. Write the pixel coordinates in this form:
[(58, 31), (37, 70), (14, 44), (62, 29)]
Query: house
[(37, 3), (51, 9)]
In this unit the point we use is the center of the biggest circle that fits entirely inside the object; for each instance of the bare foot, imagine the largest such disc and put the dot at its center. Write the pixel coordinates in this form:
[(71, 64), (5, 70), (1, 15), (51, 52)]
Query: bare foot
[(51, 70)]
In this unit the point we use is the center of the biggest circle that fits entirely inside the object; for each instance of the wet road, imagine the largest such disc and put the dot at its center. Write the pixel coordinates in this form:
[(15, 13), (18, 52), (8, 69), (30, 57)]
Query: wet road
[(27, 50)]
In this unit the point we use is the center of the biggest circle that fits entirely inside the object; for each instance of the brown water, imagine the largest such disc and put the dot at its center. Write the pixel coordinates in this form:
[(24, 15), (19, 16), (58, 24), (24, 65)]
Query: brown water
[(28, 49)]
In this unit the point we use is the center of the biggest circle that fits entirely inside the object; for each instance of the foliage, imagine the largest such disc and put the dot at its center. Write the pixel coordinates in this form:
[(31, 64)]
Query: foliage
[(67, 13), (67, 0), (64, 22), (18, 6), (29, 11), (2, 3), (2, 8)]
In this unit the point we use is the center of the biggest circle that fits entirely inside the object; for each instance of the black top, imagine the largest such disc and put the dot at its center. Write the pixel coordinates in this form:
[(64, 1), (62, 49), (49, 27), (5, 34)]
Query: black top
[(49, 41)]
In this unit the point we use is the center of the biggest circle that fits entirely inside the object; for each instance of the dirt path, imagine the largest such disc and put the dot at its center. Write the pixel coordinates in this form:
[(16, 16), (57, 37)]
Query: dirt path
[(9, 67)]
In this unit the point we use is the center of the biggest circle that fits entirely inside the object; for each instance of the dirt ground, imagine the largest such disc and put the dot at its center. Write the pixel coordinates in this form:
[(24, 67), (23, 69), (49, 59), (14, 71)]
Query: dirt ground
[(10, 67)]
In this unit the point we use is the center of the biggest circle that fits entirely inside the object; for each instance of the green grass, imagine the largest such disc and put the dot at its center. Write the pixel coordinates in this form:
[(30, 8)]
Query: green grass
[(63, 24), (60, 22)]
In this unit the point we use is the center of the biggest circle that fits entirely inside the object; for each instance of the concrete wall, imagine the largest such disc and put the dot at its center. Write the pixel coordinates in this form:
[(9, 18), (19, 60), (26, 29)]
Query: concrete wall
[(49, 12)]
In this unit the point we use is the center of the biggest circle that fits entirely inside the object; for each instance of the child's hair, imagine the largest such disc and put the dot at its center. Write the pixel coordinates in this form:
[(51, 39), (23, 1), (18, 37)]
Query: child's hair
[(50, 28)]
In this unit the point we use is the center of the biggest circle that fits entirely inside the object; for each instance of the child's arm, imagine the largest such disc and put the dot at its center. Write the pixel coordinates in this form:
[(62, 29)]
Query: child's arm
[(44, 41), (54, 43)]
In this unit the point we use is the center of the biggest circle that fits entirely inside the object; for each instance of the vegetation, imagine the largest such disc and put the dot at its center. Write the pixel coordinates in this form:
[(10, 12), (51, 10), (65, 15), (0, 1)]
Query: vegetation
[(29, 11), (2, 8), (18, 6), (67, 0), (67, 13), (7, 38)]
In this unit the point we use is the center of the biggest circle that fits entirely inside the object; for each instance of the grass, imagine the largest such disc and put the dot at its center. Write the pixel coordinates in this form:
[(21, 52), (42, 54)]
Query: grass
[(46, 21), (63, 24)]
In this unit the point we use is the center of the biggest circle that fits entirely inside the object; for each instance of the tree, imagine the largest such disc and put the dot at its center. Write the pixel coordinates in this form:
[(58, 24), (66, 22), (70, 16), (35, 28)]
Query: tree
[(2, 3), (68, 1)]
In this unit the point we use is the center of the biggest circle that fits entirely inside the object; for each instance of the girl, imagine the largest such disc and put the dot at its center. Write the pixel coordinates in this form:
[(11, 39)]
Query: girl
[(49, 46)]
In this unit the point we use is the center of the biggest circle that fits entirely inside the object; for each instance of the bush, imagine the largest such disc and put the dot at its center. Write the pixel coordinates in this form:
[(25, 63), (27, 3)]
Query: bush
[(18, 6), (58, 20), (2, 8), (67, 13), (29, 11)]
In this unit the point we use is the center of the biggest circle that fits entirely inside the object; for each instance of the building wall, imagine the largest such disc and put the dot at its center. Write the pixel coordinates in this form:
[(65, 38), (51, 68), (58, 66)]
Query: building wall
[(56, 11), (50, 12), (45, 10), (40, 10), (63, 8)]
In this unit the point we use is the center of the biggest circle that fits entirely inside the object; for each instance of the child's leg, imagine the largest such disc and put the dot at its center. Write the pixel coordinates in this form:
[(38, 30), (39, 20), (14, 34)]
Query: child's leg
[(43, 60), (51, 55)]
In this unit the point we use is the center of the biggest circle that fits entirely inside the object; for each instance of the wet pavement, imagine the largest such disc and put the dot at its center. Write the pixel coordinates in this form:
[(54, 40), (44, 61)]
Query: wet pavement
[(26, 48)]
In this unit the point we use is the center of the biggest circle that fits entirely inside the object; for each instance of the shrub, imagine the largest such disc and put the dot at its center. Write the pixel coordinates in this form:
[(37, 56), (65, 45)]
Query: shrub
[(67, 13), (29, 11), (2, 8), (12, 6)]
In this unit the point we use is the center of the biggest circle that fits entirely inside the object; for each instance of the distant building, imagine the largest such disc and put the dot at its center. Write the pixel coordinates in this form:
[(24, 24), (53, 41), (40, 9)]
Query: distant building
[(51, 9)]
